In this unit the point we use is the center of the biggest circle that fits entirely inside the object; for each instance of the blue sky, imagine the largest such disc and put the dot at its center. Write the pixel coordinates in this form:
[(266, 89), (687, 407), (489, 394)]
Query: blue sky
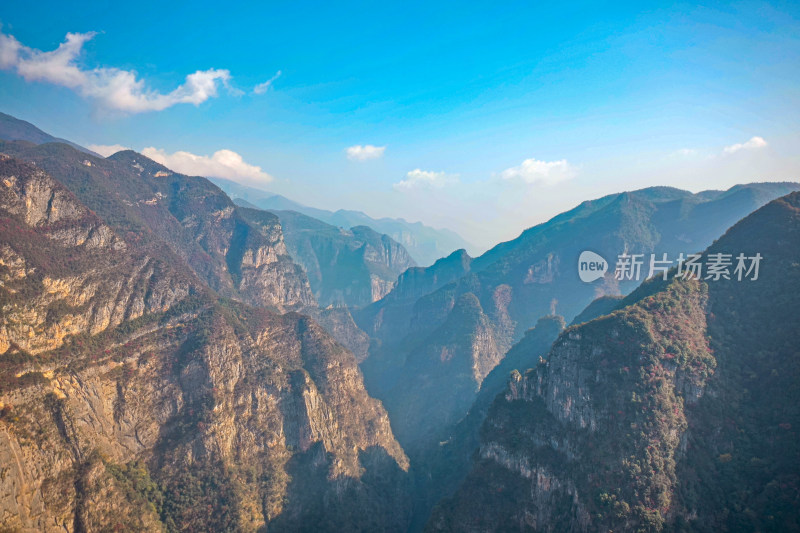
[(482, 118)]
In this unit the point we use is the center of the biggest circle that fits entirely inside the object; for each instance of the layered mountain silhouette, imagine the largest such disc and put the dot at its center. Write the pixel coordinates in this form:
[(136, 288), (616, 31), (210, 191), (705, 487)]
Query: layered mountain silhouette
[(424, 243), (443, 328), (14, 129), (676, 411), (172, 360), (346, 268)]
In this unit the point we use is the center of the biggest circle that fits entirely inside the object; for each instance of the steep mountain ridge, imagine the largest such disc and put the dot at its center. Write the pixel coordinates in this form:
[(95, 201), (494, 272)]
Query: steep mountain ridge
[(674, 412), (156, 405), (517, 282), (424, 243), (146, 202), (349, 268)]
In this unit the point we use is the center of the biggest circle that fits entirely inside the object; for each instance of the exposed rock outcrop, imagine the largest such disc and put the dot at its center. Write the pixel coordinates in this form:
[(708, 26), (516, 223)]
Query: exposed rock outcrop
[(188, 218), (132, 397), (673, 412), (345, 267)]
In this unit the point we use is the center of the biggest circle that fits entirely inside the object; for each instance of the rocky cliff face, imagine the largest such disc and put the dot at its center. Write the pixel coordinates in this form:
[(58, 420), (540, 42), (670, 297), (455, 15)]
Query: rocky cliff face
[(260, 261), (186, 217), (132, 397), (445, 466), (463, 352), (339, 323), (594, 431), (350, 268), (657, 416), (518, 282), (63, 271), (388, 317)]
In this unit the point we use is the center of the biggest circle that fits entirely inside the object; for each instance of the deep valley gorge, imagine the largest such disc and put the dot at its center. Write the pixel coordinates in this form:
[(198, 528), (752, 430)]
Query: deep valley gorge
[(185, 354)]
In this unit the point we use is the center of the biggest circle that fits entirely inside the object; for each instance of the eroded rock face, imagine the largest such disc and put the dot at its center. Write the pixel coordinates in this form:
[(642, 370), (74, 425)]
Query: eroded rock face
[(268, 275), (88, 280), (154, 208), (231, 415), (673, 412), (140, 401), (594, 432), (339, 323), (346, 267), (519, 281)]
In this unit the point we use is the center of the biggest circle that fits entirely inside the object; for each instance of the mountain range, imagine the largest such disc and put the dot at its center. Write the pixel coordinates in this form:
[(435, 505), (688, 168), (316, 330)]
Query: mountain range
[(175, 360), (424, 243), (674, 412), (346, 268), (151, 378), (443, 328)]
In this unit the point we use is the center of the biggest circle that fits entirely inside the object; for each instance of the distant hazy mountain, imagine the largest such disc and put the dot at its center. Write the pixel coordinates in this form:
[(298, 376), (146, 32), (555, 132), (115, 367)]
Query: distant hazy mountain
[(676, 412), (14, 129), (441, 344), (424, 243), (351, 268)]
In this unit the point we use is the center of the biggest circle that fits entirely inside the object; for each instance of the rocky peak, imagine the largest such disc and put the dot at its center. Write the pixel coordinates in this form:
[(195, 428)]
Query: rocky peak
[(350, 268), (150, 205), (131, 395), (632, 416)]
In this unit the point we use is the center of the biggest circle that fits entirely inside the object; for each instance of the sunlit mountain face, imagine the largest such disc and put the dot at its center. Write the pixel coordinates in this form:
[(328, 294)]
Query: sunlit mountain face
[(399, 268)]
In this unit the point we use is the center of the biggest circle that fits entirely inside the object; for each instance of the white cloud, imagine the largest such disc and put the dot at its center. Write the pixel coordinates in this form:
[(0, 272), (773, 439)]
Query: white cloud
[(112, 88), (533, 171), (362, 153), (261, 88), (9, 51), (107, 149), (754, 142), (425, 178), (57, 66), (222, 164)]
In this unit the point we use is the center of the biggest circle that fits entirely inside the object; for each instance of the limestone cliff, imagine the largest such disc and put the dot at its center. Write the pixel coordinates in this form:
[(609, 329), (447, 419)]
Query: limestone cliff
[(132, 397), (674, 412), (186, 217), (345, 267)]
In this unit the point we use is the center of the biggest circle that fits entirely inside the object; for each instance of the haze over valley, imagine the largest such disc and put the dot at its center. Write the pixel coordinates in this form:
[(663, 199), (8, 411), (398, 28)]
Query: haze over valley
[(400, 268)]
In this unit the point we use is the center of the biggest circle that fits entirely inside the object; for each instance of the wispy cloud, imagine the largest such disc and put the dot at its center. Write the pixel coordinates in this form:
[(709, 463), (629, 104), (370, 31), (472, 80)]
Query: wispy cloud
[(222, 164), (261, 88), (112, 88), (534, 171), (365, 152), (753, 143), (425, 179), (107, 149), (9, 51), (712, 153)]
